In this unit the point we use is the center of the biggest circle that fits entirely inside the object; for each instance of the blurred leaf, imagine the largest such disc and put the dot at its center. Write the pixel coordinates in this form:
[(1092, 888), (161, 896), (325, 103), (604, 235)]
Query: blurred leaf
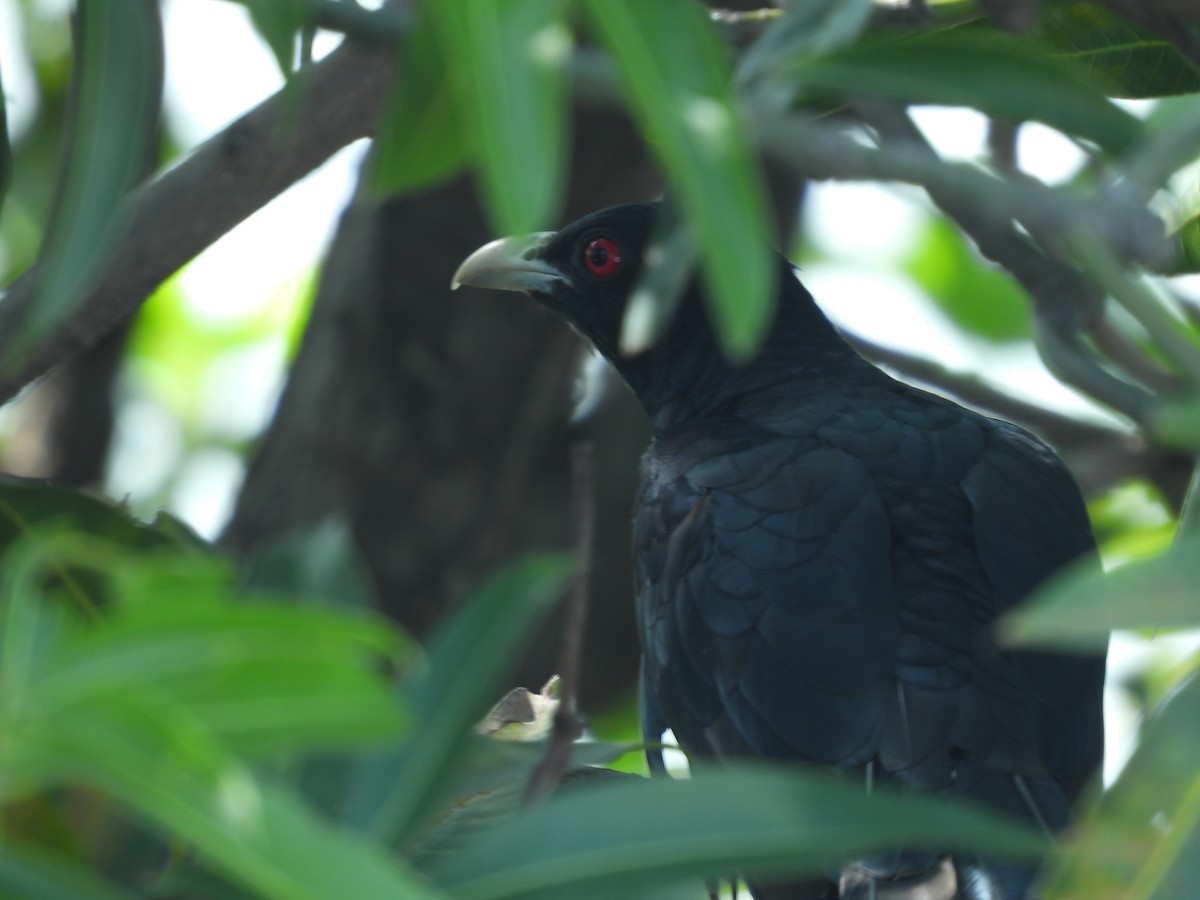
[(978, 297), (1125, 59), (675, 72), (1079, 607), (117, 92), (26, 503), (261, 677), (467, 655), (1174, 421), (258, 832), (1132, 521), (147, 703), (32, 507), (805, 29), (6, 160), (747, 819), (487, 788), (509, 57), (491, 797), (997, 74), (668, 264), (420, 140), (1142, 839), (1187, 248), (322, 562), (488, 791), (33, 874), (278, 22)]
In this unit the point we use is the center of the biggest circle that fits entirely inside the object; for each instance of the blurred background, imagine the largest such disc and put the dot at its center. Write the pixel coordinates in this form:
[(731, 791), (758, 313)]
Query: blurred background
[(463, 462)]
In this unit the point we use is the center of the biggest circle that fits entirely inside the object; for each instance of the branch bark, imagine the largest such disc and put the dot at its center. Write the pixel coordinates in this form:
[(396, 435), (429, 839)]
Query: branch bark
[(188, 207)]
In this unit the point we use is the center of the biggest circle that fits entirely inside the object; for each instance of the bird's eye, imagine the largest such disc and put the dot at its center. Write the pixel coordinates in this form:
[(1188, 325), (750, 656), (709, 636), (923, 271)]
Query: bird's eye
[(602, 257)]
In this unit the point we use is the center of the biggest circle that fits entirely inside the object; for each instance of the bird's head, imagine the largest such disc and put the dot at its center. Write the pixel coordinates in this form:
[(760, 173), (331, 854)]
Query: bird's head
[(584, 273)]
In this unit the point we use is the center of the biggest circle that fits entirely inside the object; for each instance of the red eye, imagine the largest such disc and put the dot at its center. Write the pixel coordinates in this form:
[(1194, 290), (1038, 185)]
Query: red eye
[(602, 257)]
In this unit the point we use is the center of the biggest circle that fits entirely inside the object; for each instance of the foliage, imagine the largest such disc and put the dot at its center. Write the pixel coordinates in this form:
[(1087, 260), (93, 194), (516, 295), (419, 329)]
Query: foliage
[(171, 725)]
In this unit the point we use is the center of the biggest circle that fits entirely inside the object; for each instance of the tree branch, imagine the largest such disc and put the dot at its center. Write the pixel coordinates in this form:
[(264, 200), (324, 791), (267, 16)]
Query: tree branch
[(1100, 456), (339, 99), (184, 210), (567, 725), (1064, 300)]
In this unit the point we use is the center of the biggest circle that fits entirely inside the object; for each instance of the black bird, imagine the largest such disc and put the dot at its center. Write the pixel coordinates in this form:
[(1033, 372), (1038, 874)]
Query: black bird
[(821, 553)]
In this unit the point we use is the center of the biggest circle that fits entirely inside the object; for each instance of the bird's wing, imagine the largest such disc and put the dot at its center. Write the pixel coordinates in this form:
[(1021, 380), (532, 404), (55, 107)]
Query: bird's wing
[(1029, 521), (765, 598)]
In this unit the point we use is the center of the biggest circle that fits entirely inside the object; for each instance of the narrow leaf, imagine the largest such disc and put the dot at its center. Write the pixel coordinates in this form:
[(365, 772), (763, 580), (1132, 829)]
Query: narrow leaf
[(279, 22), (612, 838), (489, 791), (1142, 839), (676, 74), (805, 29), (509, 57), (1078, 608), (155, 762), (26, 504), (5, 150), (997, 74), (322, 562), (420, 141), (34, 874), (467, 656), (116, 92)]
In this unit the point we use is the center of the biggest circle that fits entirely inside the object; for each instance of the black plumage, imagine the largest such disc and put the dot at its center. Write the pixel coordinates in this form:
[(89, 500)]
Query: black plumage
[(821, 552)]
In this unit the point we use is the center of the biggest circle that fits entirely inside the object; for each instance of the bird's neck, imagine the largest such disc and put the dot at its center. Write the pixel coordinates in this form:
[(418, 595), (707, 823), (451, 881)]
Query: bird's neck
[(686, 375)]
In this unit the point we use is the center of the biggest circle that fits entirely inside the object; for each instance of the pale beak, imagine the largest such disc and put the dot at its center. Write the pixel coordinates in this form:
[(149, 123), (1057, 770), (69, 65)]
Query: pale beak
[(510, 264)]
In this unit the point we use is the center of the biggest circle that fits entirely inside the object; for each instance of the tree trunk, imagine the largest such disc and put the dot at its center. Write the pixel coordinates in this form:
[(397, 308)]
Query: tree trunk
[(436, 424)]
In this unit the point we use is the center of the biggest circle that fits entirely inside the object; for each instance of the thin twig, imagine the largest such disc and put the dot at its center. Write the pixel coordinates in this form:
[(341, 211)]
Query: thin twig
[(1142, 304), (1121, 349), (1065, 301), (567, 724)]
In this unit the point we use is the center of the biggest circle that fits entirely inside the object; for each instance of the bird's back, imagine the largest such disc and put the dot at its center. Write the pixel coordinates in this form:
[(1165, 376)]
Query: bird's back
[(819, 567)]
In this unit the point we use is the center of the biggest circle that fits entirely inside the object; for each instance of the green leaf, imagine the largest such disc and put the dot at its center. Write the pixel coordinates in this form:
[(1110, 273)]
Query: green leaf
[(468, 654), (1174, 421), (1125, 59), (27, 503), (150, 702), (613, 838), (976, 296), (322, 562), (279, 22), (1079, 607), (158, 763), (489, 791), (420, 141), (509, 59), (805, 29), (117, 89), (34, 874), (1187, 243), (30, 507), (262, 677), (1142, 839), (676, 75), (997, 74), (6, 160)]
